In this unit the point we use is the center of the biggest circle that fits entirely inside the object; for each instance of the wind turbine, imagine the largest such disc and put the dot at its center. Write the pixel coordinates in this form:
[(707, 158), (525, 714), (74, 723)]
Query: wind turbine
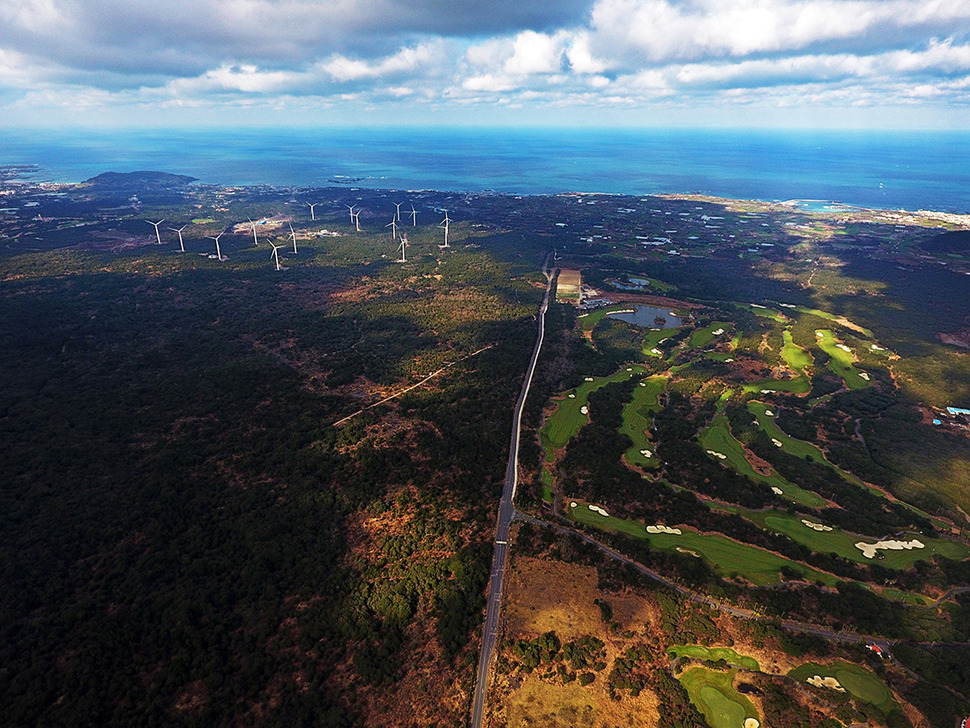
[(357, 219), (397, 215), (393, 226), (414, 216), (216, 238), (444, 224), (156, 224), (293, 235), (351, 208), (402, 247), (253, 224), (276, 255), (311, 205), (179, 231)]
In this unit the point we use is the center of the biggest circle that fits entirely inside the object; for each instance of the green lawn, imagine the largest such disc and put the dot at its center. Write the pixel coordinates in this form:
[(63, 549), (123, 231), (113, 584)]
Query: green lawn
[(652, 338), (714, 696), (704, 336), (842, 361), (699, 652), (797, 357), (724, 556), (638, 419), (832, 317), (858, 681), (717, 437), (763, 311), (565, 420)]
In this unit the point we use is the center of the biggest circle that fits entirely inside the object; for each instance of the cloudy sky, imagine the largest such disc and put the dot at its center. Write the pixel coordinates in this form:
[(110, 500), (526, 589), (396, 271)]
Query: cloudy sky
[(895, 63)]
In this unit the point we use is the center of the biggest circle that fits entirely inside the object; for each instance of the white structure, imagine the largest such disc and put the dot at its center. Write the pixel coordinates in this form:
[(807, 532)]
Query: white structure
[(357, 219), (351, 209), (403, 247), (397, 215), (393, 226), (275, 255), (311, 205), (414, 216), (252, 223), (179, 231), (444, 224), (293, 236), (156, 224), (216, 238)]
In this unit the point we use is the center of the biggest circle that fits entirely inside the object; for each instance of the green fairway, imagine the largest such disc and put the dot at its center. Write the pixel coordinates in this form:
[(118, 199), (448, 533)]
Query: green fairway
[(858, 682), (713, 694), (842, 361), (798, 385), (638, 419), (797, 357), (699, 652), (798, 448), (832, 317), (843, 544), (565, 420), (763, 311), (717, 437), (652, 339), (704, 336), (725, 557)]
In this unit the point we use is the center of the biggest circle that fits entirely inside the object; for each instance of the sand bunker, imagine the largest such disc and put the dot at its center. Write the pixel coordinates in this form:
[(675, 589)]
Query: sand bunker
[(751, 723), (776, 442), (689, 552), (660, 528), (572, 396), (766, 391), (584, 410), (729, 360), (597, 509), (769, 413), (843, 347), (646, 453), (719, 455), (819, 335), (588, 379), (717, 332), (816, 526), (756, 305), (573, 504), (825, 682), (864, 375), (776, 490), (869, 549)]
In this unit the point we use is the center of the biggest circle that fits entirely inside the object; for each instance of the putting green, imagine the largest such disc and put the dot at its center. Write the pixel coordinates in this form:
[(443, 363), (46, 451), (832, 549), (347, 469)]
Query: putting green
[(858, 682), (565, 420), (842, 362), (650, 344), (717, 438), (699, 652), (713, 694), (638, 419)]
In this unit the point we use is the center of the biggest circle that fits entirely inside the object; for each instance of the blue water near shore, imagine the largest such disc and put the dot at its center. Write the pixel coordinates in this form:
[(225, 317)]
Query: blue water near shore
[(891, 170)]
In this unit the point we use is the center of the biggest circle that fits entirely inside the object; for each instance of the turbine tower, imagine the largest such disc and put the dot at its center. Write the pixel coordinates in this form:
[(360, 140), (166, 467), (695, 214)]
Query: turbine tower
[(275, 255), (293, 235), (397, 215), (403, 246), (444, 224), (216, 238), (311, 205), (393, 226), (253, 224), (156, 224), (351, 209), (179, 231), (414, 216), (357, 219)]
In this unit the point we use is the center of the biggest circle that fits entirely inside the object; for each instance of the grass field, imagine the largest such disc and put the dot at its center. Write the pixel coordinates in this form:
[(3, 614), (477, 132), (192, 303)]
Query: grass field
[(842, 361), (797, 357), (652, 338), (589, 321), (717, 437), (565, 420), (763, 311), (725, 557), (798, 385), (798, 448), (704, 336), (842, 320), (843, 544), (858, 682), (638, 419), (699, 652), (713, 694)]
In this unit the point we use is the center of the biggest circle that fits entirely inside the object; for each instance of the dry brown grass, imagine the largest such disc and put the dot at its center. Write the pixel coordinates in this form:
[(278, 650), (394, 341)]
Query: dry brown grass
[(551, 595)]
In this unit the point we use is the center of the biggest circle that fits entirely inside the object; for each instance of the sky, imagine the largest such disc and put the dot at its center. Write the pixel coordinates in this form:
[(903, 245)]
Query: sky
[(660, 63)]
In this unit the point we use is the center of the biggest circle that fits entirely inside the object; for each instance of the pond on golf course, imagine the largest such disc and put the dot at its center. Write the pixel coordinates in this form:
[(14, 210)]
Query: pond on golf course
[(648, 317)]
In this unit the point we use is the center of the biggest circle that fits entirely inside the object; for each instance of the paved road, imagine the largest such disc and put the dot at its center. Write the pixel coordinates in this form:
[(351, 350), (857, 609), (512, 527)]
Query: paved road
[(506, 512)]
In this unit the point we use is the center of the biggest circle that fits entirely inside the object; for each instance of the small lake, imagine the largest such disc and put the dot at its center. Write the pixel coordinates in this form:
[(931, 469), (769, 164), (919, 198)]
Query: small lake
[(644, 316)]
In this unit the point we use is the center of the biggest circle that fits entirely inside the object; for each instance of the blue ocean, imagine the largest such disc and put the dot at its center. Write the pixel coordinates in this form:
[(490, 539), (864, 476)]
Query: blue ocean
[(890, 170)]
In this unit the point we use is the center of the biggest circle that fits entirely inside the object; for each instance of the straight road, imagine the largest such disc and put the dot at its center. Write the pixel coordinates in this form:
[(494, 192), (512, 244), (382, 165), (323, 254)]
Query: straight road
[(506, 512)]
